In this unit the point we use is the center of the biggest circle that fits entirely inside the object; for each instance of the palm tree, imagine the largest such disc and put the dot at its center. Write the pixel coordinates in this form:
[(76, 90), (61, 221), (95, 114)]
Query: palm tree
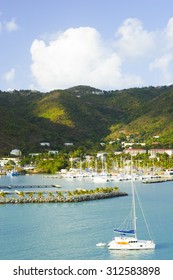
[(21, 194), (40, 195), (31, 194), (50, 195), (69, 193), (60, 196), (2, 194)]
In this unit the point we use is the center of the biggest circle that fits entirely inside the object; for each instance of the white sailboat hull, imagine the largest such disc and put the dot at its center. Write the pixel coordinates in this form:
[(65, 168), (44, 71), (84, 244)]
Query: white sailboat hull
[(130, 244)]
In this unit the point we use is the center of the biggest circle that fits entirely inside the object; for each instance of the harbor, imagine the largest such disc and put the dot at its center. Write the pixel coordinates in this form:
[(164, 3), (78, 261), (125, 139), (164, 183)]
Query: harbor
[(57, 230)]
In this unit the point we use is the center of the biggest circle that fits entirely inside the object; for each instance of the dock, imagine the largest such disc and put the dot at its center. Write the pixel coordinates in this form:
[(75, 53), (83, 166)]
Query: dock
[(158, 180), (29, 186)]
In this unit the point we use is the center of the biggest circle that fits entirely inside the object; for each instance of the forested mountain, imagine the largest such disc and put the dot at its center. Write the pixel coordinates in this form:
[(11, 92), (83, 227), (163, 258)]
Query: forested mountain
[(84, 116)]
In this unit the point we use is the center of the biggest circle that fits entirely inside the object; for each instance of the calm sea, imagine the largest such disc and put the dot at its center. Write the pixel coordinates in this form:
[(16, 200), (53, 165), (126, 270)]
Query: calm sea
[(71, 231)]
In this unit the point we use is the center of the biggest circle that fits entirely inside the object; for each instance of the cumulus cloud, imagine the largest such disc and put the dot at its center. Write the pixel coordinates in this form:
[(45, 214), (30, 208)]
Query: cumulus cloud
[(81, 56), (77, 56), (10, 75), (133, 39)]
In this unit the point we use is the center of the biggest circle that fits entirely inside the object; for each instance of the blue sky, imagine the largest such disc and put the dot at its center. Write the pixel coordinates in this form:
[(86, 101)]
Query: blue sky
[(107, 44)]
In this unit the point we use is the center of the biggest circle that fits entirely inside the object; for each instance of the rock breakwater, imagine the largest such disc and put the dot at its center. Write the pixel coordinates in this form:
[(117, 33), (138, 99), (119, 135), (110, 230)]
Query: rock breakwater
[(69, 197)]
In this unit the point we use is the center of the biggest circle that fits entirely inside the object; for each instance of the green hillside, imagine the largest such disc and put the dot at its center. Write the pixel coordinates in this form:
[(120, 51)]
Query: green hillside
[(153, 117), (83, 115)]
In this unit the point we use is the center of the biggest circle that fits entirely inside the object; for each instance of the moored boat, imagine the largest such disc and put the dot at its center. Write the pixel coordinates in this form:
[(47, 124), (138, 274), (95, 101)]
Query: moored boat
[(127, 239)]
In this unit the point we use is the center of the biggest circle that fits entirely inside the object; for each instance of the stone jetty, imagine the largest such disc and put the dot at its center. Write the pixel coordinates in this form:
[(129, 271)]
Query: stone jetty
[(59, 197)]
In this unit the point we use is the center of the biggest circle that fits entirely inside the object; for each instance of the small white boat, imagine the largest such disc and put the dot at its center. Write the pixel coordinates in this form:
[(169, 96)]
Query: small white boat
[(56, 186), (101, 244), (100, 179)]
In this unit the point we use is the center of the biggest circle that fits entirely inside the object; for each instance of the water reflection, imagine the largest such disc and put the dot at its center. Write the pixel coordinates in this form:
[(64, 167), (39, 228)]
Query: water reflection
[(132, 254)]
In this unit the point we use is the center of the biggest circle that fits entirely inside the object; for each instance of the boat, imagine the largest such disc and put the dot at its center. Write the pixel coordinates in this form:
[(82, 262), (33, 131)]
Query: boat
[(12, 173), (127, 238), (56, 186)]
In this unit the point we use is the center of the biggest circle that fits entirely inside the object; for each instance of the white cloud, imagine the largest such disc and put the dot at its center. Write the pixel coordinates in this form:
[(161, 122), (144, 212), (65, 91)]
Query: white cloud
[(134, 57), (163, 59), (10, 75), (77, 56), (162, 63), (169, 33), (133, 40), (11, 25)]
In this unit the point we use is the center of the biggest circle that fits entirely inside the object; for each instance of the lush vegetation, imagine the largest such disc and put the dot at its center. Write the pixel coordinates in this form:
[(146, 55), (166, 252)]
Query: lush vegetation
[(84, 116), (45, 163)]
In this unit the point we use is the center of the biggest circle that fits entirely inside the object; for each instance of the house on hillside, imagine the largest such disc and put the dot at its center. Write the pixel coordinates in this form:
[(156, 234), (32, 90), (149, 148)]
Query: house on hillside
[(101, 155), (130, 144), (34, 154), (154, 152), (16, 152), (45, 144), (68, 144), (134, 152)]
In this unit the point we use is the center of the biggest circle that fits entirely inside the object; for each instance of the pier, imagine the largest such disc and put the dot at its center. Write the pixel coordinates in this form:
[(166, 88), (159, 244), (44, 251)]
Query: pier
[(28, 186), (157, 180)]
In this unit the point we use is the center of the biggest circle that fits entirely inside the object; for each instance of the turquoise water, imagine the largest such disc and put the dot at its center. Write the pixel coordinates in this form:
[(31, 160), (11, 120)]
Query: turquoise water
[(71, 231)]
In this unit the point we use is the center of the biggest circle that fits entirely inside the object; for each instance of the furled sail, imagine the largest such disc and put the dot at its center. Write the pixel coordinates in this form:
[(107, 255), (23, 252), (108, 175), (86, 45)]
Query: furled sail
[(125, 231)]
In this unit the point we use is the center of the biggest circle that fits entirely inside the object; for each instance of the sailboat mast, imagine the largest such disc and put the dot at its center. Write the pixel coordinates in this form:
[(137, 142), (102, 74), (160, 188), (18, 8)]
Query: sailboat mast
[(133, 203), (134, 209)]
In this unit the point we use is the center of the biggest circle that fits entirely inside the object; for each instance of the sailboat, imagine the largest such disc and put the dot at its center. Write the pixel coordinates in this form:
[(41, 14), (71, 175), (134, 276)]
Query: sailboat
[(127, 239)]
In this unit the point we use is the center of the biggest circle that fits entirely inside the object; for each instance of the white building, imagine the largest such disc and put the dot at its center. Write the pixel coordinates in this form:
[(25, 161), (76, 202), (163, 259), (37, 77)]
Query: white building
[(43, 144), (154, 152), (16, 152), (101, 155), (134, 152), (130, 144), (68, 144)]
